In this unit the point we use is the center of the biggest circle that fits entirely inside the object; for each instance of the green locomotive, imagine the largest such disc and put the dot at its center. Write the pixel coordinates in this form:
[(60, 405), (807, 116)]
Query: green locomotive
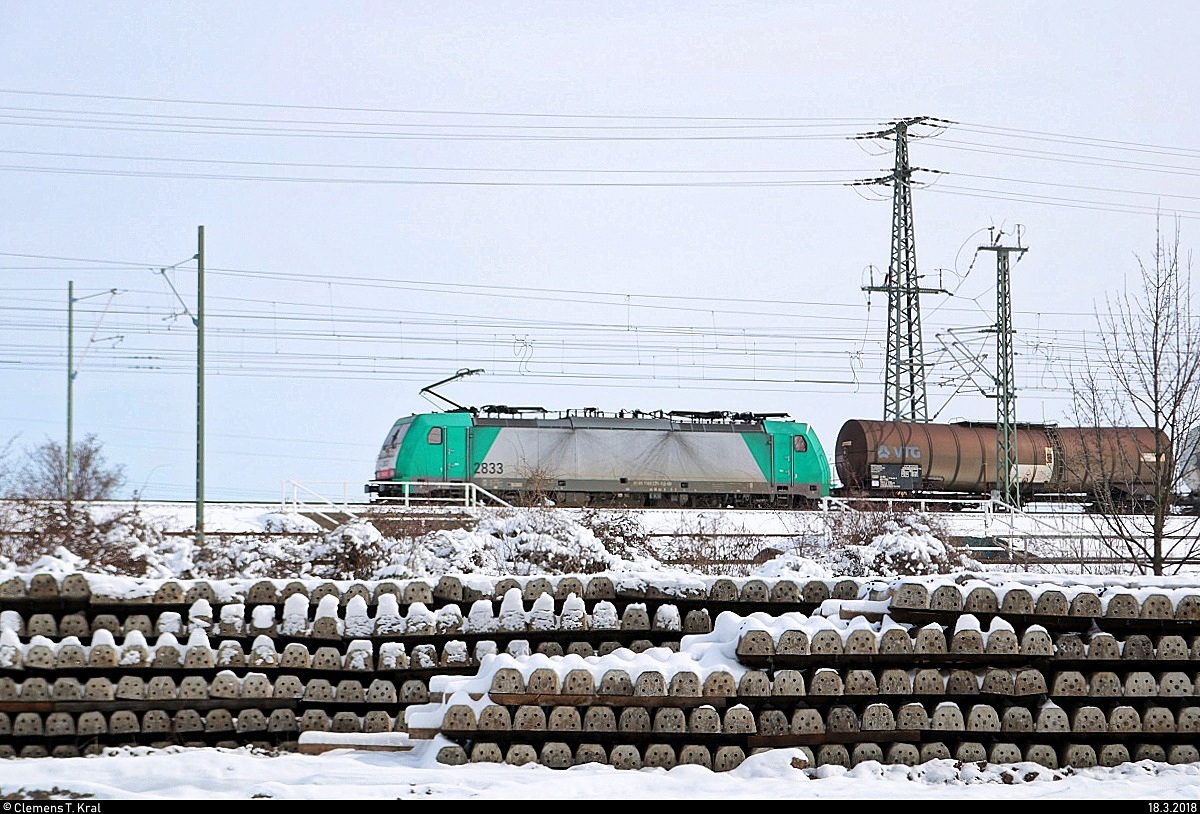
[(585, 457)]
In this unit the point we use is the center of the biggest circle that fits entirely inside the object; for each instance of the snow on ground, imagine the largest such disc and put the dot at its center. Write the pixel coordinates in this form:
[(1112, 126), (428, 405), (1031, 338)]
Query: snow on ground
[(179, 773)]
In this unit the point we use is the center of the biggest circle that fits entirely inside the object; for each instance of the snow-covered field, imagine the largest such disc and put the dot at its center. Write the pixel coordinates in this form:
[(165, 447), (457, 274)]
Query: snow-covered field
[(217, 774)]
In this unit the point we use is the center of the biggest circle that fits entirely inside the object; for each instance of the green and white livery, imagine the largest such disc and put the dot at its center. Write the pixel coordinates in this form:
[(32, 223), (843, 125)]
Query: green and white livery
[(581, 458)]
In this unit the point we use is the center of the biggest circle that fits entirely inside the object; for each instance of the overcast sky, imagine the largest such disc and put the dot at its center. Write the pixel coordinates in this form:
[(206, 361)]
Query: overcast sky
[(613, 205)]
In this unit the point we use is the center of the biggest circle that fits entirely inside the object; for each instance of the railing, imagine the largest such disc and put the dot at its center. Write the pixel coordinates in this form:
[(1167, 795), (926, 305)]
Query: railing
[(300, 498), (1004, 538), (327, 488), (437, 493), (985, 505)]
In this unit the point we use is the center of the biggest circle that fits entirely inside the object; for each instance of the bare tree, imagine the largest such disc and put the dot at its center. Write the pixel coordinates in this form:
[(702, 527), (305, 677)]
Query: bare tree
[(44, 473), (537, 485), (8, 467), (1146, 374)]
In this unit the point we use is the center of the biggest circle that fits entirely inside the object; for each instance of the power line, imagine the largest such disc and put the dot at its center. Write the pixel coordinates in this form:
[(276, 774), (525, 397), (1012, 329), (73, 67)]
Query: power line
[(439, 112), (413, 181), (405, 167), (156, 119), (1041, 135)]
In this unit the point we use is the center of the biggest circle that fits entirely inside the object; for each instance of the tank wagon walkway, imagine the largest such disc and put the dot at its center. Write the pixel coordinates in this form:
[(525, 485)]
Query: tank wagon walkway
[(615, 668)]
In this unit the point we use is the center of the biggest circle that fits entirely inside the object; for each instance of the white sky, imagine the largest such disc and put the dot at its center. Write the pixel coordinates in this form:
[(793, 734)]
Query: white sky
[(618, 205)]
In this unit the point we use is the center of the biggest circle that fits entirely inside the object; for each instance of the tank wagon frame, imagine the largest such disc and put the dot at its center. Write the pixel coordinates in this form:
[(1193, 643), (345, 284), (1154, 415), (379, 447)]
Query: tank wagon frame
[(591, 458)]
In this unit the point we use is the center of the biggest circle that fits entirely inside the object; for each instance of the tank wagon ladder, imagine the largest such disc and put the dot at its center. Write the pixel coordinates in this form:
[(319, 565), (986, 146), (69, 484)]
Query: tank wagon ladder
[(1058, 472), (1056, 444)]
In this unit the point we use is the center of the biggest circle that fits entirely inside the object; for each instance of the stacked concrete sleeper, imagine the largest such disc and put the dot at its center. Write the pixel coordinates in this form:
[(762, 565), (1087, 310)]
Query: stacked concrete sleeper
[(1072, 677)]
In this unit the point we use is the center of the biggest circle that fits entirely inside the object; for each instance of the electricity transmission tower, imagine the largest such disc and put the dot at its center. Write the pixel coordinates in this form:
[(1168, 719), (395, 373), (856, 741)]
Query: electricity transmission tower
[(1008, 484), (904, 396)]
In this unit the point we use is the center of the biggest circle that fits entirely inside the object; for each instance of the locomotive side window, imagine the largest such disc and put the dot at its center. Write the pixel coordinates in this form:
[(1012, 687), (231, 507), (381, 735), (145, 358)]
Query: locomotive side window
[(435, 436), (799, 443)]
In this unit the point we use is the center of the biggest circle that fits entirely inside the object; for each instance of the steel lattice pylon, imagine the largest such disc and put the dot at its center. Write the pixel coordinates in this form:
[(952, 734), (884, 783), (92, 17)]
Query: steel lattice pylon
[(904, 397), (1008, 485)]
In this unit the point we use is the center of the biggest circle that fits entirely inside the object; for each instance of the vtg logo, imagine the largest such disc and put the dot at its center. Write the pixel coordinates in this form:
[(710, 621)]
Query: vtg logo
[(885, 452)]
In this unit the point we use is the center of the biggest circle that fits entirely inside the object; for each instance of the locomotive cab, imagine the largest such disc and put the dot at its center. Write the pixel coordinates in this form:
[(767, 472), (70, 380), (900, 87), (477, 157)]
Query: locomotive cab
[(422, 448)]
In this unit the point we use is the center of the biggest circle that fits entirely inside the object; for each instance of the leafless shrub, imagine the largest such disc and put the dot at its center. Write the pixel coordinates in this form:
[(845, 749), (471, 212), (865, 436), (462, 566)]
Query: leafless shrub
[(862, 527), (405, 539), (44, 472), (388, 543), (276, 553), (545, 541), (537, 485), (121, 543), (406, 524), (892, 543), (8, 467), (618, 530), (714, 546), (351, 551)]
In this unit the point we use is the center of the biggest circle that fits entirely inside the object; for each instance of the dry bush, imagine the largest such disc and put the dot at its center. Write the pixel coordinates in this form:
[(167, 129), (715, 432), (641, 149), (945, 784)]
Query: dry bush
[(123, 543), (620, 532), (252, 556), (861, 527), (8, 467), (279, 551), (715, 546), (892, 543), (537, 484), (354, 550), (394, 544), (545, 541), (402, 546), (44, 472), (408, 524)]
